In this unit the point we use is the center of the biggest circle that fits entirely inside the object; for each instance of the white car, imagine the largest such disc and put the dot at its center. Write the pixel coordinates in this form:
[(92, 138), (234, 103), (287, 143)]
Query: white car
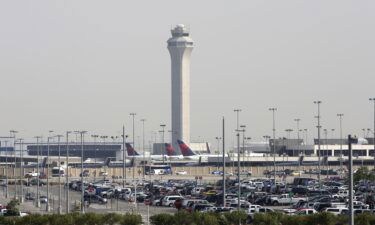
[(103, 173), (31, 174), (169, 200), (181, 172)]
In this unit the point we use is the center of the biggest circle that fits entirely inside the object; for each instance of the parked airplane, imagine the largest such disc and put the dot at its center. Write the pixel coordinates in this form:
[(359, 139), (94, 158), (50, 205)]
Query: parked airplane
[(107, 163), (171, 153), (43, 164), (134, 154), (189, 154)]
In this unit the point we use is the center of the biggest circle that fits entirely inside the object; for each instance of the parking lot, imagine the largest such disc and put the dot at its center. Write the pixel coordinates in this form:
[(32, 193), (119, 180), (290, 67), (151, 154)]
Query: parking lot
[(291, 193)]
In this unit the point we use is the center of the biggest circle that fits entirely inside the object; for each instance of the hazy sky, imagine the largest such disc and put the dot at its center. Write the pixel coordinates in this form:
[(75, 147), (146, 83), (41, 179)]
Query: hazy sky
[(85, 65)]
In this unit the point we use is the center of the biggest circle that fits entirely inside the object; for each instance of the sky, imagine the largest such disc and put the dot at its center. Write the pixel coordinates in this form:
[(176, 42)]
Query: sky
[(87, 64)]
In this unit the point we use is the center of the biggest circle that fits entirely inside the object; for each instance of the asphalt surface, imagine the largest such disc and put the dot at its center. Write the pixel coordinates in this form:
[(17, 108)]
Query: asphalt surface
[(113, 205)]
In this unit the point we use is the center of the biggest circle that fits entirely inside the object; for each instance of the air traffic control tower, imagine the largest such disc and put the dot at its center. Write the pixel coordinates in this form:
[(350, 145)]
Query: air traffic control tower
[(180, 46)]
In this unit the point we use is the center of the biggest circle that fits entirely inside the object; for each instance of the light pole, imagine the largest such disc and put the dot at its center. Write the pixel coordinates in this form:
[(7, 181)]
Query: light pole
[(59, 149), (13, 132), (318, 117), (38, 172), (306, 139), (218, 150), (273, 143), (47, 174), (67, 171), (238, 170), (340, 115), (326, 147), (133, 115), (163, 144), (143, 147), (373, 100), (332, 133), (21, 172), (298, 148), (368, 132), (223, 162), (133, 136), (288, 131), (95, 136), (104, 137), (82, 184), (123, 157), (243, 127), (364, 132), (239, 164), (6, 169), (267, 137), (237, 111)]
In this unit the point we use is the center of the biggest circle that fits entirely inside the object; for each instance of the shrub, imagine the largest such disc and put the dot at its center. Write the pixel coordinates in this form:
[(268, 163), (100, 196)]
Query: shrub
[(131, 219), (12, 208), (162, 219), (236, 217)]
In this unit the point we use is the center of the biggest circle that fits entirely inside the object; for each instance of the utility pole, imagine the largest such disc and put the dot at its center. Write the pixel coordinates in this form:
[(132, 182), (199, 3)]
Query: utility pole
[(67, 171), (319, 172), (274, 142)]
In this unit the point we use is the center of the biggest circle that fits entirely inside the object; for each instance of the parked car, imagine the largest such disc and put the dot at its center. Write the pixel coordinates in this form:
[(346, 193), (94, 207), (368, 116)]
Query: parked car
[(181, 172), (31, 174), (169, 200), (103, 173), (30, 196), (96, 199), (43, 199), (85, 173)]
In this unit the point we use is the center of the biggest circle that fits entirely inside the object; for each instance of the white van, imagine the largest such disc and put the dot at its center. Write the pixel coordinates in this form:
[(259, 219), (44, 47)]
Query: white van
[(337, 211)]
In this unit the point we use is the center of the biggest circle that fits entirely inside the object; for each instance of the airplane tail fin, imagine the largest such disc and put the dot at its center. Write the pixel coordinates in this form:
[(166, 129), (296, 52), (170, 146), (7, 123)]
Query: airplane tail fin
[(130, 150), (169, 148), (185, 149)]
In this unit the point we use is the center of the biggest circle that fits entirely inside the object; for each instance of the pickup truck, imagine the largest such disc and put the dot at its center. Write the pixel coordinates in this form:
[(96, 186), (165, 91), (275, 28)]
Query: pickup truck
[(285, 199)]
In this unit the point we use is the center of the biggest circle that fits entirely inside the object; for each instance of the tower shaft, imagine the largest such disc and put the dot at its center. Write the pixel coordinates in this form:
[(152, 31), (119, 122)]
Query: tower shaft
[(180, 46)]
